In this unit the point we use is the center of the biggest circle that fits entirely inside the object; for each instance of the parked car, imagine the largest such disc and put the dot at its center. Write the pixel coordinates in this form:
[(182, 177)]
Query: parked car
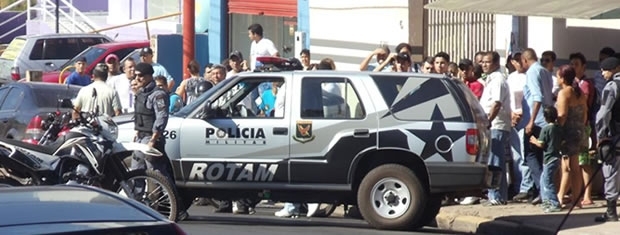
[(95, 54), (23, 105), (391, 143), (77, 209), (43, 52)]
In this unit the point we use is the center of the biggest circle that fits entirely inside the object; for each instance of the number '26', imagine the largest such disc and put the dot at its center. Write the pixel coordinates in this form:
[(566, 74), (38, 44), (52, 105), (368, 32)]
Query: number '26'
[(170, 134)]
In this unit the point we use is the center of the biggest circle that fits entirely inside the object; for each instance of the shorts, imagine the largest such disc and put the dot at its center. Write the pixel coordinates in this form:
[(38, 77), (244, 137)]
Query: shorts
[(585, 158)]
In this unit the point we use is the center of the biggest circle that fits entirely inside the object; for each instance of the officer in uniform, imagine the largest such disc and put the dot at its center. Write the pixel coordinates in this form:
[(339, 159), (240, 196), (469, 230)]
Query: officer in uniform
[(608, 128), (150, 119)]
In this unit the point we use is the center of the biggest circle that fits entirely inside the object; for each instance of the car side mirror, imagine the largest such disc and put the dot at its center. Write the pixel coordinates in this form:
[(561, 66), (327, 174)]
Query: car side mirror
[(66, 103)]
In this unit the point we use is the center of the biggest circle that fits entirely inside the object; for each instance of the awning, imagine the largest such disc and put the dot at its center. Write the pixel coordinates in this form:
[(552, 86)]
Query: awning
[(581, 9)]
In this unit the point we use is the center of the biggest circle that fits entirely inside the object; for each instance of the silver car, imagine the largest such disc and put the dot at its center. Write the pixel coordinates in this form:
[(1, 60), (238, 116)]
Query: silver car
[(43, 52)]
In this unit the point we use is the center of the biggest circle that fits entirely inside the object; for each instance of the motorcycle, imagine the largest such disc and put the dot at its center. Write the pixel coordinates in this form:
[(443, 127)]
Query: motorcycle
[(87, 153)]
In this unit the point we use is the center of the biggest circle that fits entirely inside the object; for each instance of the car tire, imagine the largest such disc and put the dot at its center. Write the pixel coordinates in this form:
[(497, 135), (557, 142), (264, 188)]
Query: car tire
[(392, 197)]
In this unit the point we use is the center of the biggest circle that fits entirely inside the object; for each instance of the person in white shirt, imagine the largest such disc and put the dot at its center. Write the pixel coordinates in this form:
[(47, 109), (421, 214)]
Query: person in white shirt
[(122, 84), (495, 101), (106, 99), (260, 46)]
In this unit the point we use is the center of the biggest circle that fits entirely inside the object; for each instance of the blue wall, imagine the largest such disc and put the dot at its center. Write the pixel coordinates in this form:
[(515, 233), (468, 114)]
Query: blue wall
[(303, 20), (218, 31), (171, 55), (10, 25)]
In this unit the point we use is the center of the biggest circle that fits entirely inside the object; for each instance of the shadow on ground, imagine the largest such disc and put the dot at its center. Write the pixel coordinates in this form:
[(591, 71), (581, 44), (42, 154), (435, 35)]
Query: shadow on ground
[(539, 224), (251, 220)]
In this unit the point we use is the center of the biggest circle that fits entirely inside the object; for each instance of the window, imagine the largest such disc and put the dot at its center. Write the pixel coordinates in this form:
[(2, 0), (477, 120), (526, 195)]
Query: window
[(254, 97), (55, 49), (37, 50), (91, 54), (13, 99), (330, 98), (3, 92)]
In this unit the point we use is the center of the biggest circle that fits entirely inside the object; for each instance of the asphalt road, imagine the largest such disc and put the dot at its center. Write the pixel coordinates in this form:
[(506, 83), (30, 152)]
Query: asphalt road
[(203, 221)]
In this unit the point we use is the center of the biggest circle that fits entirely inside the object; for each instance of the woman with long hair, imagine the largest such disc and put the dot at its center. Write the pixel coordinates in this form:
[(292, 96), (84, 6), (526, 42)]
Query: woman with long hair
[(572, 116)]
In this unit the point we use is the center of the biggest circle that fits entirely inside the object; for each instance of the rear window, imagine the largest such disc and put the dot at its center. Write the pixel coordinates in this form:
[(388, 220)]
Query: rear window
[(48, 98), (418, 98), (91, 54), (55, 49), (14, 49)]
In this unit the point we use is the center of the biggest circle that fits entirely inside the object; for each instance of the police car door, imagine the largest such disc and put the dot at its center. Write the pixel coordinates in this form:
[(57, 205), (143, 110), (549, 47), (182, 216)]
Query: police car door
[(329, 127), (241, 140)]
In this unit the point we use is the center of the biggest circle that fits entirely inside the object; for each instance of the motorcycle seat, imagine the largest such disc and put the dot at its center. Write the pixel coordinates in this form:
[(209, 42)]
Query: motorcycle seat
[(47, 149)]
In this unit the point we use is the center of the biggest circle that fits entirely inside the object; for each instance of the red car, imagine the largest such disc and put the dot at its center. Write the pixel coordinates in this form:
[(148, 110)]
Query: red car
[(95, 54)]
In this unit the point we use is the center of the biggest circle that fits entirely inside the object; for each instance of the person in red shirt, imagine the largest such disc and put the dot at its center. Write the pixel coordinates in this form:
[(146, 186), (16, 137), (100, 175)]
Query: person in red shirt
[(466, 73)]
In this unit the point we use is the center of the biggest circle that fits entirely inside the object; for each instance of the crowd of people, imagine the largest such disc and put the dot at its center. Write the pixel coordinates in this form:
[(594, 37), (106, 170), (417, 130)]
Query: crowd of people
[(543, 120)]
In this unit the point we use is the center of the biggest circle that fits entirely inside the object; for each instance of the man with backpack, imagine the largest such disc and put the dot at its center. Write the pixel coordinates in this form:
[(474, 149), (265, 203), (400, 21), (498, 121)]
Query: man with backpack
[(608, 133)]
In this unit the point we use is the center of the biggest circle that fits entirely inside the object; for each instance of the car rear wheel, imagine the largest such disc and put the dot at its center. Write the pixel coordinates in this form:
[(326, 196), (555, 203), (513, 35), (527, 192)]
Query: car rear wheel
[(391, 197)]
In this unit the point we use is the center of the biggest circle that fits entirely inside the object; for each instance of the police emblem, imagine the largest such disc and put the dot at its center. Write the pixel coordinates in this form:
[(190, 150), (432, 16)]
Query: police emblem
[(303, 133)]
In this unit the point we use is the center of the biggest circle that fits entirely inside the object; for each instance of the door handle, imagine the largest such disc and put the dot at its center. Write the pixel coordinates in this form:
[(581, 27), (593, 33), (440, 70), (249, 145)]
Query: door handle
[(280, 131), (361, 133)]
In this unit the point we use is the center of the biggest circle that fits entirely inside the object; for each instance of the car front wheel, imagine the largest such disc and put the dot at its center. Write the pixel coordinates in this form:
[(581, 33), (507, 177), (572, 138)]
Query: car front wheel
[(391, 197)]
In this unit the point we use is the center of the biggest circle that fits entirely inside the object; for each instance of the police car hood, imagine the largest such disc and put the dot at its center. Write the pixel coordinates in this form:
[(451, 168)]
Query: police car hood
[(126, 130)]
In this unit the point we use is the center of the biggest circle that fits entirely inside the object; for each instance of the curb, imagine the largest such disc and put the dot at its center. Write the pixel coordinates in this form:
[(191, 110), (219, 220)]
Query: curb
[(479, 225)]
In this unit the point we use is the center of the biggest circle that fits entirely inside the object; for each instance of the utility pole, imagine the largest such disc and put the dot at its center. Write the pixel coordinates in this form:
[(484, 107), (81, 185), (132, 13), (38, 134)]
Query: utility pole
[(57, 16), (189, 34)]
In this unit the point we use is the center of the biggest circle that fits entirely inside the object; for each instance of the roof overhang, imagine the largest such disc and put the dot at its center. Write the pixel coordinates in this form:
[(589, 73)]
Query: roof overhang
[(579, 9)]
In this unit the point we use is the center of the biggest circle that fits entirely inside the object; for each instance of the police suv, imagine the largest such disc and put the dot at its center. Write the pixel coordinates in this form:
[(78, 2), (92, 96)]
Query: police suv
[(391, 143)]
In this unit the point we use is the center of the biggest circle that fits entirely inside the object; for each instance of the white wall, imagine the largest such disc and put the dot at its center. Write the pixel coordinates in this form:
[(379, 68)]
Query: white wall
[(566, 36), (348, 30)]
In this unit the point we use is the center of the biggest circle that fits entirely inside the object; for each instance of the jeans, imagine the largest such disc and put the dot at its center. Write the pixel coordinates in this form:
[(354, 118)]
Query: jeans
[(533, 156), (499, 140), (522, 175), (548, 192)]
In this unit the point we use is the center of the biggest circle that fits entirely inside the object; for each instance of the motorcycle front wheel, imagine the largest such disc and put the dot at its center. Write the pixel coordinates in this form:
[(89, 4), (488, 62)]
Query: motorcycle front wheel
[(152, 189)]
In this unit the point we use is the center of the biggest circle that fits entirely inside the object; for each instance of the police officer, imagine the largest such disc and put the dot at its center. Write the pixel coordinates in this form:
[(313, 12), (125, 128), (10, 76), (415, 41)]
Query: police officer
[(608, 128), (150, 119)]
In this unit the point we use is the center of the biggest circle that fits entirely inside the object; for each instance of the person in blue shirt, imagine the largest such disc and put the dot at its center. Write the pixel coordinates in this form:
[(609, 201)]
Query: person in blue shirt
[(269, 99), (79, 77)]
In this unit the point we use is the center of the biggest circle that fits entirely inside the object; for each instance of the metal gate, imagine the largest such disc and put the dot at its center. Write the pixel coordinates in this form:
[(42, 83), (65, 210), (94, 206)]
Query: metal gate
[(459, 34)]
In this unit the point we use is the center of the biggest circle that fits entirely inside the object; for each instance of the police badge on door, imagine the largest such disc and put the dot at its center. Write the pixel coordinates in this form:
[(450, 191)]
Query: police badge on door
[(303, 132)]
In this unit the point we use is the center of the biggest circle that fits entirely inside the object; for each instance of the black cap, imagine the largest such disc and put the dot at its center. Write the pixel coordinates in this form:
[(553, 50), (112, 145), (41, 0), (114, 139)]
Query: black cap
[(236, 54), (403, 56), (146, 51), (144, 69), (610, 63), (465, 63)]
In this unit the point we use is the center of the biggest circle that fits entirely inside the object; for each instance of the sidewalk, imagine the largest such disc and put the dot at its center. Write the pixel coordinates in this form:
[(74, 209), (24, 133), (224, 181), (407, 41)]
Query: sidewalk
[(523, 218)]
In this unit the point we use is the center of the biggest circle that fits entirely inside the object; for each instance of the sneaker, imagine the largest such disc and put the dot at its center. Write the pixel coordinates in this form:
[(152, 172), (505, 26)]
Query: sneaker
[(470, 201), (239, 209), (536, 200), (552, 209), (545, 204), (182, 216), (493, 202), (285, 213), (520, 197), (312, 208)]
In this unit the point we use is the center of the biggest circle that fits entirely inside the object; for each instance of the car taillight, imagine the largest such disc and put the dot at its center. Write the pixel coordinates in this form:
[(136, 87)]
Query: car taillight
[(15, 73), (34, 131), (471, 143)]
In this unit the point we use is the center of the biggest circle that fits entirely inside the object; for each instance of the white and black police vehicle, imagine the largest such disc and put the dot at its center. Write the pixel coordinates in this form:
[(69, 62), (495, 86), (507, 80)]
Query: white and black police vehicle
[(391, 143)]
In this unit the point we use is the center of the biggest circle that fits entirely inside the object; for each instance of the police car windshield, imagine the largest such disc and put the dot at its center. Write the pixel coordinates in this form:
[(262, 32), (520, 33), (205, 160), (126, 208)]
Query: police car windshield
[(201, 100)]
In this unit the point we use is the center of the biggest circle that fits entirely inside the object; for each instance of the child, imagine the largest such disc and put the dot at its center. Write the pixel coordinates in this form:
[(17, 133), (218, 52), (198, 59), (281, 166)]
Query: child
[(549, 141), (176, 102)]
